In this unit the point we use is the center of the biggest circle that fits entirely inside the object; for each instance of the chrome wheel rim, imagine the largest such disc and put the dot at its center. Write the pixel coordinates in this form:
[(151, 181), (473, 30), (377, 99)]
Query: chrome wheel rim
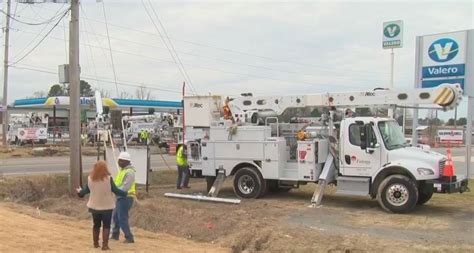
[(397, 194), (246, 184)]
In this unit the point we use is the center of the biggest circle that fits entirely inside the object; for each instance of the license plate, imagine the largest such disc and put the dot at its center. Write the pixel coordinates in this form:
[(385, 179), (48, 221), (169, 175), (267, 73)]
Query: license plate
[(438, 187)]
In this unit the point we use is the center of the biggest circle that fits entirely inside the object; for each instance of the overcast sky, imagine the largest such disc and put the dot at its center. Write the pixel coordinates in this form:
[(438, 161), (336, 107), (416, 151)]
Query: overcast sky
[(229, 47)]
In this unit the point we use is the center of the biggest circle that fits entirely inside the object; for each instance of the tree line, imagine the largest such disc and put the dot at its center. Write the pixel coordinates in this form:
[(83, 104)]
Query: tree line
[(86, 90)]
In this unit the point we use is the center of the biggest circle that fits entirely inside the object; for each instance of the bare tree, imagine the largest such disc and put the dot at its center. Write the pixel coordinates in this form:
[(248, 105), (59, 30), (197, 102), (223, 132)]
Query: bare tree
[(143, 93), (125, 95), (38, 94), (103, 92)]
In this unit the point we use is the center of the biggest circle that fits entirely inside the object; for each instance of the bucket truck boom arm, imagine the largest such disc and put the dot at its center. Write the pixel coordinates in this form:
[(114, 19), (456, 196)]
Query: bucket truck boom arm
[(446, 97)]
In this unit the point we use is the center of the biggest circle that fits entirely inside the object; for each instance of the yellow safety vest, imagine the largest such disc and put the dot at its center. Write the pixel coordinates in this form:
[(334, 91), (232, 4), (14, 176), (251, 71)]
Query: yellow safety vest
[(180, 159), (119, 179)]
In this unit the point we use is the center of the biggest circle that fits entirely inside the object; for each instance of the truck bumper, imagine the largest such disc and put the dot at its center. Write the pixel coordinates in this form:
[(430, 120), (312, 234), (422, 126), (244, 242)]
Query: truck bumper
[(455, 184)]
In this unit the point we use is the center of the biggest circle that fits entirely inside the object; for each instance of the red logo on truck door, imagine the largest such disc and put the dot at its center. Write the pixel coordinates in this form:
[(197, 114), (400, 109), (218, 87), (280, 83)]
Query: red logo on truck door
[(302, 154)]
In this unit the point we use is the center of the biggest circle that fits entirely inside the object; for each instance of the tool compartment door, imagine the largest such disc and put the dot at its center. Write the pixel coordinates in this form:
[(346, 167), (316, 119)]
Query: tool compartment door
[(273, 158)]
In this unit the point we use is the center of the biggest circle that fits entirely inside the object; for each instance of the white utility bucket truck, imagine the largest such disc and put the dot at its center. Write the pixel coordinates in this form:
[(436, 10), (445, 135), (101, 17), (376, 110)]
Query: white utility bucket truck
[(363, 156)]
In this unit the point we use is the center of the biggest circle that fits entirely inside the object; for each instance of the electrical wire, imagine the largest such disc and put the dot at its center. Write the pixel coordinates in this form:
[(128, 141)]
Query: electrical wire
[(123, 82), (271, 59), (110, 47), (218, 70), (172, 47), (164, 42), (351, 78), (33, 24), (42, 39)]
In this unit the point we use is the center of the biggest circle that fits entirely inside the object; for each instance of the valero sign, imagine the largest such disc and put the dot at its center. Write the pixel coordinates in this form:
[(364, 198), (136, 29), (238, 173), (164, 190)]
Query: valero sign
[(392, 34), (444, 59)]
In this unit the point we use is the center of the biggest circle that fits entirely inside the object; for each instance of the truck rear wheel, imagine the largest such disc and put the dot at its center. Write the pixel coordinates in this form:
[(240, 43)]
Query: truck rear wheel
[(397, 194), (425, 192), (248, 183)]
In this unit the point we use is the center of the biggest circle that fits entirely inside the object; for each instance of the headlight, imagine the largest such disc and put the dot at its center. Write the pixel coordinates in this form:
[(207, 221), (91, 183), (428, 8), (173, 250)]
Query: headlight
[(425, 171)]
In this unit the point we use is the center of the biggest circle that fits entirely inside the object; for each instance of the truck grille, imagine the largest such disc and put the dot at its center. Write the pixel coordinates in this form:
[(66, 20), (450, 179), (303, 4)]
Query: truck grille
[(442, 163)]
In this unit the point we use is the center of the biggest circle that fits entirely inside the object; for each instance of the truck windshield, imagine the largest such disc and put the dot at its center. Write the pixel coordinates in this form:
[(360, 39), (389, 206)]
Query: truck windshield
[(391, 134)]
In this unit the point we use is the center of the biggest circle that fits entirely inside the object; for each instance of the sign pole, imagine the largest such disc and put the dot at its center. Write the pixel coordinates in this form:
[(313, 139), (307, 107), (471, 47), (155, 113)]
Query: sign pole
[(392, 56), (392, 37), (469, 85), (418, 59)]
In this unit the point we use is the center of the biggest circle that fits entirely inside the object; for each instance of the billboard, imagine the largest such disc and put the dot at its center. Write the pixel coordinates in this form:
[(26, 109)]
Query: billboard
[(451, 135), (32, 133)]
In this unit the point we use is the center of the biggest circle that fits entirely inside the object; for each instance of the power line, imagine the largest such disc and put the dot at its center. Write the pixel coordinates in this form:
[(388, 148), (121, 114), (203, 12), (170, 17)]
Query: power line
[(37, 36), (124, 82), (217, 70), (166, 44), (243, 53), (172, 46), (28, 23), (227, 61), (110, 47), (42, 39)]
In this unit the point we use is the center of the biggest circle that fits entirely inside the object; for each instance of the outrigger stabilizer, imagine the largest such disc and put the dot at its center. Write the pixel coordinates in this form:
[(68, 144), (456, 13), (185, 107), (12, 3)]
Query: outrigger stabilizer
[(211, 196)]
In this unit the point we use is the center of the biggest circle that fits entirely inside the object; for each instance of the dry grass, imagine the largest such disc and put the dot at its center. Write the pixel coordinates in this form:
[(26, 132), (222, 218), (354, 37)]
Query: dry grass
[(342, 225)]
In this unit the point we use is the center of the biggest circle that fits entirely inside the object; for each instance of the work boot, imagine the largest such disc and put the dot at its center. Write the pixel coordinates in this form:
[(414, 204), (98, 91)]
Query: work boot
[(105, 238), (95, 236)]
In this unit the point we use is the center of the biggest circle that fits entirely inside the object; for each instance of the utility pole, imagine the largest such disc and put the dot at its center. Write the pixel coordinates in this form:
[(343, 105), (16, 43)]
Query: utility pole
[(5, 77), (74, 97)]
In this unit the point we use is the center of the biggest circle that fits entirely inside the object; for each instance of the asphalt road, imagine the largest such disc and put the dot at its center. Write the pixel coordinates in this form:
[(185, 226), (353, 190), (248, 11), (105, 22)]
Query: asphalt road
[(39, 165), (18, 166)]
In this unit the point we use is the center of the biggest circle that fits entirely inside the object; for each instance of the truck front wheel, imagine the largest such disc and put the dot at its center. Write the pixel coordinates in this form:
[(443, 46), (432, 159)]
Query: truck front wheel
[(425, 192), (397, 194), (248, 183)]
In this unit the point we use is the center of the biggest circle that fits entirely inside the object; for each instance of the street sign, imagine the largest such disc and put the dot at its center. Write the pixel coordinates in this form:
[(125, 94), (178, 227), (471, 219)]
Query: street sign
[(2, 108), (392, 34), (443, 59)]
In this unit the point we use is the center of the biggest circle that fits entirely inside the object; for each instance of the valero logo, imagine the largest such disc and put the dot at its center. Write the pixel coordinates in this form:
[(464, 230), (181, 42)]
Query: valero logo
[(391, 31), (443, 50)]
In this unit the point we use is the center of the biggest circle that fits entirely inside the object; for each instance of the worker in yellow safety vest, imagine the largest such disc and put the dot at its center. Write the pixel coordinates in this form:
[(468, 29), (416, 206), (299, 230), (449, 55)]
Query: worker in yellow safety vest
[(125, 181), (183, 168), (143, 136)]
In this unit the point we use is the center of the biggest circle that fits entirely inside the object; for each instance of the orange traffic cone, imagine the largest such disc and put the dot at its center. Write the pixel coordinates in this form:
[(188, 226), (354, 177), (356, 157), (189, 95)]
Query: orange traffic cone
[(448, 170)]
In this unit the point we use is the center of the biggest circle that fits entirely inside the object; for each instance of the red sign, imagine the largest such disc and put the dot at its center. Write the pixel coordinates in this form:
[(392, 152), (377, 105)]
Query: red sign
[(302, 154)]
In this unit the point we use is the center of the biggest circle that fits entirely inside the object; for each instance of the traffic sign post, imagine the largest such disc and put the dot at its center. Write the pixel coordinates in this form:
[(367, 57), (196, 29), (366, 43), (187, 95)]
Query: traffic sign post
[(392, 38), (448, 58)]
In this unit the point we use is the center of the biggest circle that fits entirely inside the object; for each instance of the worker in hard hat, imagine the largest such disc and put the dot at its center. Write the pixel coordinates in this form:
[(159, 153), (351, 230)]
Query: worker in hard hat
[(125, 181), (183, 168)]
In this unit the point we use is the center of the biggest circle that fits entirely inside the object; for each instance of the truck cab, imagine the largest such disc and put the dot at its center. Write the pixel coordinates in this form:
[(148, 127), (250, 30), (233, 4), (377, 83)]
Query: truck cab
[(375, 157)]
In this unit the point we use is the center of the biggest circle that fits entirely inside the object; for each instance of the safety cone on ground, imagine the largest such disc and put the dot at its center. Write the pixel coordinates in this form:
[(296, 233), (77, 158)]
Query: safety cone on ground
[(448, 170)]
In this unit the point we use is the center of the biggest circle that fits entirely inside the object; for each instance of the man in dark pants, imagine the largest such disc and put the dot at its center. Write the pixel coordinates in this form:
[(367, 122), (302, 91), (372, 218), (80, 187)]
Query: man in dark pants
[(125, 181), (183, 168)]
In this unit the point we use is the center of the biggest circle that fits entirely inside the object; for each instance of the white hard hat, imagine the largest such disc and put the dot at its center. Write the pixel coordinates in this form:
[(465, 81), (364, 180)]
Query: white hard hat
[(125, 156)]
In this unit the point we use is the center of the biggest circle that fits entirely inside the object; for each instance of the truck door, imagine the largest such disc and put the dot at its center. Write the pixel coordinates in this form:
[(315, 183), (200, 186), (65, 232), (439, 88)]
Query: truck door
[(356, 161)]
